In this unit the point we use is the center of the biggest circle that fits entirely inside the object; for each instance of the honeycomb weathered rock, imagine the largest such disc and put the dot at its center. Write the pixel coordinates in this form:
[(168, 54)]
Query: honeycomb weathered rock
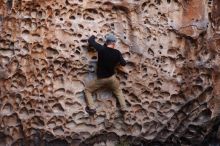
[(171, 82)]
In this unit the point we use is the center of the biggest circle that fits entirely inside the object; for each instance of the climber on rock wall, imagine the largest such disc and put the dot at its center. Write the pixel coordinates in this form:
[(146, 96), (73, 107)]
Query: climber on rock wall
[(108, 59)]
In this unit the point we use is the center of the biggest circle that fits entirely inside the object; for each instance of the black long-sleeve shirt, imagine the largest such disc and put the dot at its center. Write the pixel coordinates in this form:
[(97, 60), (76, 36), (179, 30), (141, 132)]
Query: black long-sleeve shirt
[(108, 59)]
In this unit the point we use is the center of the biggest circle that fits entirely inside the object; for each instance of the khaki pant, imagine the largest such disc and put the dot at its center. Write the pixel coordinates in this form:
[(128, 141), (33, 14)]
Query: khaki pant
[(110, 83)]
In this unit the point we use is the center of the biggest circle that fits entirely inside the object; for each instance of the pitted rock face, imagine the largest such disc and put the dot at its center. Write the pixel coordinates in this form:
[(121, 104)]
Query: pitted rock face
[(171, 82)]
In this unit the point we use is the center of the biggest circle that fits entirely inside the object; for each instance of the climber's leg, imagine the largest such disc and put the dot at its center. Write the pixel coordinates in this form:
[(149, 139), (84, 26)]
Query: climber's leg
[(115, 86), (90, 88)]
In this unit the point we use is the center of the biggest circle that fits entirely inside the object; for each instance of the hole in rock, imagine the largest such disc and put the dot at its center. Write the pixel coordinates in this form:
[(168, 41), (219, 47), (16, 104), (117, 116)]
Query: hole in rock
[(136, 128), (206, 94), (150, 52), (155, 105), (120, 7), (177, 98), (19, 79), (32, 112), (165, 94), (81, 26), (89, 18), (77, 52), (197, 89), (84, 40), (9, 4), (94, 11), (51, 124), (11, 120), (37, 121), (166, 106), (144, 5), (158, 2), (76, 105), (58, 130), (57, 108), (63, 45), (72, 17), (25, 32), (134, 98), (51, 52), (40, 14), (57, 12), (204, 116), (79, 35), (7, 109), (23, 113), (71, 124)]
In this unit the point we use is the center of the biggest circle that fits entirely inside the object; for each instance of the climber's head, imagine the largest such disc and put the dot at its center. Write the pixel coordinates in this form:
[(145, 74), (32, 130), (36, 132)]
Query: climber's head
[(110, 40)]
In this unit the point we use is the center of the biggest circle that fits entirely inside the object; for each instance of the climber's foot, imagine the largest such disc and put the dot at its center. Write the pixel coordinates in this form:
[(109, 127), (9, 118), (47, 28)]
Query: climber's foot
[(90, 111)]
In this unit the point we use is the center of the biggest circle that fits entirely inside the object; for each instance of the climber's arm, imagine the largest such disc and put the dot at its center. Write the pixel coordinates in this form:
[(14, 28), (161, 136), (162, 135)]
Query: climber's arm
[(121, 60), (94, 44)]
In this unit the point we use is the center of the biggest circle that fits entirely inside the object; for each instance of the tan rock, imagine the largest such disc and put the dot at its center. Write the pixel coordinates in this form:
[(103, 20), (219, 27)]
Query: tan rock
[(170, 83)]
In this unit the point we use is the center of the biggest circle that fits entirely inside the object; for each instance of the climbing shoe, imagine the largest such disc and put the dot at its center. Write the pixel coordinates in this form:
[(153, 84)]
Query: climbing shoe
[(90, 111)]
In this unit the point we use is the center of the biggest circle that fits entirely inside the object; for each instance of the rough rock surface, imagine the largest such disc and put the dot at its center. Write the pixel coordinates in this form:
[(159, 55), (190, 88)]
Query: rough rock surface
[(171, 82)]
